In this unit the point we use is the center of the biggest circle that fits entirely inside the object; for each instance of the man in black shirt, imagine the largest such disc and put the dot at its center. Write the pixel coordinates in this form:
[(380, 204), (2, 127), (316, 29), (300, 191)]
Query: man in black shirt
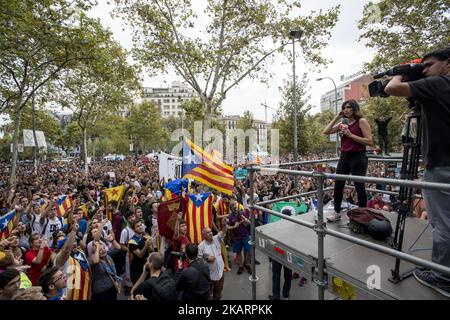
[(154, 283), (382, 123), (433, 93), (194, 281)]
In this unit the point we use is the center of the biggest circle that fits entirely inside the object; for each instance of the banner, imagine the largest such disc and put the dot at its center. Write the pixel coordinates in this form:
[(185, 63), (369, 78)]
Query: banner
[(240, 174), (28, 138), (167, 217), (288, 208)]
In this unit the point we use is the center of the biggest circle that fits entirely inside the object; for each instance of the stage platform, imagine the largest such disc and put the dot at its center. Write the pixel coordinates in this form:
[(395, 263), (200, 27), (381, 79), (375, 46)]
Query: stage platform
[(348, 266)]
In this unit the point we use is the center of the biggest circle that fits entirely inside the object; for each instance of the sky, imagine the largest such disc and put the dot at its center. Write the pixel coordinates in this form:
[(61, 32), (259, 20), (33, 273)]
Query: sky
[(347, 53)]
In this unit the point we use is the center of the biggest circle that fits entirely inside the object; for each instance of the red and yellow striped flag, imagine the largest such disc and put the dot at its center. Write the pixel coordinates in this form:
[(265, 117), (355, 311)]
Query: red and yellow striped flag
[(199, 165), (198, 214), (7, 224), (79, 278), (63, 203)]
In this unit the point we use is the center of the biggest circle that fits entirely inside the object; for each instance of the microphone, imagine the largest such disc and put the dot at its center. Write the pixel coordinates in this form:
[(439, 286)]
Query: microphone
[(343, 125)]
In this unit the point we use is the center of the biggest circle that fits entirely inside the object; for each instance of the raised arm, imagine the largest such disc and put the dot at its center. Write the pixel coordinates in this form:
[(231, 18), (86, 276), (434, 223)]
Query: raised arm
[(333, 127), (397, 88), (40, 255), (64, 254)]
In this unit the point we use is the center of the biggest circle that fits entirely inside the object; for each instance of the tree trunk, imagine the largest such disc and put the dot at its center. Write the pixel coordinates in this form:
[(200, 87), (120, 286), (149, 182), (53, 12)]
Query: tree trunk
[(207, 121), (85, 152), (15, 141)]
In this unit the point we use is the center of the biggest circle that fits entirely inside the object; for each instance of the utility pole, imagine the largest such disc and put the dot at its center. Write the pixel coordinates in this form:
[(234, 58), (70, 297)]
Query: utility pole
[(294, 35)]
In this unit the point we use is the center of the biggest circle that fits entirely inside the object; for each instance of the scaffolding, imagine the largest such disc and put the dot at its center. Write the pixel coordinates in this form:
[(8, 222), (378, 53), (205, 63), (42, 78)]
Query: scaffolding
[(318, 266)]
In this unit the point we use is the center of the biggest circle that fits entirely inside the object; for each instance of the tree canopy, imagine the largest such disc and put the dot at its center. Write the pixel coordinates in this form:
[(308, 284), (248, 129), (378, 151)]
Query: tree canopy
[(215, 50)]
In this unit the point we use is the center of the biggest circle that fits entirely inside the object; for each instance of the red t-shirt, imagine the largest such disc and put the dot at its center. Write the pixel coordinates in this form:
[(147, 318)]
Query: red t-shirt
[(35, 271)]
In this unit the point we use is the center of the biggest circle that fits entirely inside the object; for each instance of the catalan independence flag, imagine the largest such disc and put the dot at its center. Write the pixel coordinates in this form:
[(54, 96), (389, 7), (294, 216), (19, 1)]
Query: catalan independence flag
[(199, 165), (79, 278), (173, 188), (63, 203), (198, 214), (7, 224)]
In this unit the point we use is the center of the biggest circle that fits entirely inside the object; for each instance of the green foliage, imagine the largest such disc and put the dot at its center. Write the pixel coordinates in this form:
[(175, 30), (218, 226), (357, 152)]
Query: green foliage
[(144, 127), (240, 35), (393, 107), (402, 30), (193, 111), (316, 141), (247, 121), (37, 41), (5, 147), (70, 137), (285, 118), (99, 86), (399, 31)]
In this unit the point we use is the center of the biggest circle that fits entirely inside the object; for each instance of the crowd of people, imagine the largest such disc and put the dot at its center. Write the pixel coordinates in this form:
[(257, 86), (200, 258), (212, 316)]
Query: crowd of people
[(83, 255)]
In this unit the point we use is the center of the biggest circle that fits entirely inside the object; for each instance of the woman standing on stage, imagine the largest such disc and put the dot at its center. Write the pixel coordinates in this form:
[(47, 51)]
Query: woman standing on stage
[(355, 135)]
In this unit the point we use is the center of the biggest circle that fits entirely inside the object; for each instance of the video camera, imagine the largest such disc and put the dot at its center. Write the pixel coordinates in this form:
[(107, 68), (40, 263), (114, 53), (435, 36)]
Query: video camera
[(410, 72)]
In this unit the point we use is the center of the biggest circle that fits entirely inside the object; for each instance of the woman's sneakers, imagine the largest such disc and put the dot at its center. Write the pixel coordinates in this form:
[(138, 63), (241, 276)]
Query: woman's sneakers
[(333, 217)]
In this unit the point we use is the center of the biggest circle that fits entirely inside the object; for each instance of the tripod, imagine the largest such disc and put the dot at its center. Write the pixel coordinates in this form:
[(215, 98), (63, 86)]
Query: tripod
[(409, 170)]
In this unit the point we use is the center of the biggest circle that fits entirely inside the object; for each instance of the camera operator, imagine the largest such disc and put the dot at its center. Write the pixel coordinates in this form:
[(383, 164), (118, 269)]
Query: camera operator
[(356, 135), (433, 93)]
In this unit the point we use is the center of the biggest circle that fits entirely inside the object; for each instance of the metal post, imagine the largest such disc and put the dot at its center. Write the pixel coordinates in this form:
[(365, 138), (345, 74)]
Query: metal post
[(336, 109), (253, 277), (320, 239), (294, 100)]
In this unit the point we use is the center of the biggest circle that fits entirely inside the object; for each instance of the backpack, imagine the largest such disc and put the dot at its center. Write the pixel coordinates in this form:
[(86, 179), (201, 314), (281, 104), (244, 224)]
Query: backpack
[(163, 287), (359, 218)]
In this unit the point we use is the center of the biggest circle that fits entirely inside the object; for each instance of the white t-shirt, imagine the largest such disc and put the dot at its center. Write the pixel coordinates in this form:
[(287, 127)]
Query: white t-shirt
[(50, 226), (213, 249), (126, 235), (36, 227)]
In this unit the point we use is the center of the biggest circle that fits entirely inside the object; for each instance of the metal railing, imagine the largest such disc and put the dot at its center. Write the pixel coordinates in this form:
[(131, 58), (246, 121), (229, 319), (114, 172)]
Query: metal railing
[(320, 227)]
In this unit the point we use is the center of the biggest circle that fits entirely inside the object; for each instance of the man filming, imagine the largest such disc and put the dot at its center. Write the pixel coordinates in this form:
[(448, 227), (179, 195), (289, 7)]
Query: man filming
[(433, 93)]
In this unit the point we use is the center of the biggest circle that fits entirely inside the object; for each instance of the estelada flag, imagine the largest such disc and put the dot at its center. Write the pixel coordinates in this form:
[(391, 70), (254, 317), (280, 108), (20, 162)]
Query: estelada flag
[(174, 188), (199, 165), (198, 214), (79, 277), (7, 224), (167, 216), (112, 194), (63, 203)]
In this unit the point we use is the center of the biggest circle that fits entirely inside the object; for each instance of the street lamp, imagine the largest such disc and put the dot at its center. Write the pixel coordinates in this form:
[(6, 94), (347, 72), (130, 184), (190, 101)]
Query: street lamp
[(336, 108), (294, 35)]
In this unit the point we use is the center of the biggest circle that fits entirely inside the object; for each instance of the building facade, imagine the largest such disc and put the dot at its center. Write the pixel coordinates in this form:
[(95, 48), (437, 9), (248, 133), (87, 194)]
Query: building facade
[(262, 127), (356, 89), (169, 99)]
